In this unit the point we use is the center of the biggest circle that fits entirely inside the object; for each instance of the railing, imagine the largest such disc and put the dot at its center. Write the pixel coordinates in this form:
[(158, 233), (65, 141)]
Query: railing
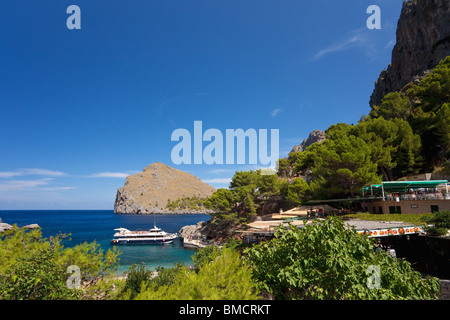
[(414, 197)]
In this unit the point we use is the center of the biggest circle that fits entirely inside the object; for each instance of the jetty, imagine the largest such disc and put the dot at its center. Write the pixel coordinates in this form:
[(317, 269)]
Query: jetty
[(195, 243)]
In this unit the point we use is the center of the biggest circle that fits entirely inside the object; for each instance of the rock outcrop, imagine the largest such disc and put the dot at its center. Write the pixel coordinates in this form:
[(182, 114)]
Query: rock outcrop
[(196, 231), (151, 190), (317, 136), (6, 226), (31, 226), (423, 40)]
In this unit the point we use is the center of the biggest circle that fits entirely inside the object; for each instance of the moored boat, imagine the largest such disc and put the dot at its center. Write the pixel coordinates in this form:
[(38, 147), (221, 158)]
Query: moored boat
[(152, 236)]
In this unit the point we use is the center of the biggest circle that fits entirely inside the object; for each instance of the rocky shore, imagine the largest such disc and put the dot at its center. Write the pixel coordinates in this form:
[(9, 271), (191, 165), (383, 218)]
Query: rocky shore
[(6, 226), (197, 231), (212, 231)]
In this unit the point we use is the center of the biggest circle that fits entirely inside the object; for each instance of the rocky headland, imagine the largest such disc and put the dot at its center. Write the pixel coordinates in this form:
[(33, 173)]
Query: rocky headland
[(153, 189)]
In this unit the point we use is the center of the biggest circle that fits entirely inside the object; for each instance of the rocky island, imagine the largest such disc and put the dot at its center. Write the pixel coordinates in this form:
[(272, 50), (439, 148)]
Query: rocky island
[(152, 191)]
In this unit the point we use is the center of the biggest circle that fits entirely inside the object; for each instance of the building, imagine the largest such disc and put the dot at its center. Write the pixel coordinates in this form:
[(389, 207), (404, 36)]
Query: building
[(426, 196), (259, 231)]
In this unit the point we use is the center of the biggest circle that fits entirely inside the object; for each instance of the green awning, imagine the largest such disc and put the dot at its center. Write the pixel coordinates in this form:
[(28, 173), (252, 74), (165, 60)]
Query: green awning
[(405, 185)]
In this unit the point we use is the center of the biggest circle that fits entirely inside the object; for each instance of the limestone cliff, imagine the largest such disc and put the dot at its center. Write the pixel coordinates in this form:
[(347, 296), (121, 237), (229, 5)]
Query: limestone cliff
[(317, 136), (423, 39), (151, 190)]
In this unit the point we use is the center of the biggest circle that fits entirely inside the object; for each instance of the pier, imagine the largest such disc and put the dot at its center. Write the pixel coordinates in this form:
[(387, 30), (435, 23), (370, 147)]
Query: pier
[(194, 243)]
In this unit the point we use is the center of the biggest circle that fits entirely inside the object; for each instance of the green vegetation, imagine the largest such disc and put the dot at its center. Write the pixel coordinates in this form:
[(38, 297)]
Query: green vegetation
[(136, 275), (440, 223), (227, 277), (426, 107), (298, 190), (194, 204), (327, 261), (248, 191), (323, 260), (35, 277), (353, 156), (139, 279), (35, 268), (407, 134), (205, 255)]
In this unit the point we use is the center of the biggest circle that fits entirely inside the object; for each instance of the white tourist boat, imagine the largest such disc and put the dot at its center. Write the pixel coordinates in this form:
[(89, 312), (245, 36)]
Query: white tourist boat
[(152, 236)]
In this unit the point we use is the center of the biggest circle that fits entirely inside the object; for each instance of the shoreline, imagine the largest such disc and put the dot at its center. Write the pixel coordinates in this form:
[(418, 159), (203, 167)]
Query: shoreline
[(164, 213)]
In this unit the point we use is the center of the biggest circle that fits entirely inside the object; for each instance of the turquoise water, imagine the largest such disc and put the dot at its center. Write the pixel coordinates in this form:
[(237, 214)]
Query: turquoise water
[(99, 225)]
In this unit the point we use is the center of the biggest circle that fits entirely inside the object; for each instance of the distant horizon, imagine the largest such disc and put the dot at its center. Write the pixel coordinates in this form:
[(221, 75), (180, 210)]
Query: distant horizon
[(57, 210), (166, 214)]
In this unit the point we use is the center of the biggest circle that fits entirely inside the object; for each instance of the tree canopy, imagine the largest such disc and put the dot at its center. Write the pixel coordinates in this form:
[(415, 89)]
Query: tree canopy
[(248, 190), (425, 106)]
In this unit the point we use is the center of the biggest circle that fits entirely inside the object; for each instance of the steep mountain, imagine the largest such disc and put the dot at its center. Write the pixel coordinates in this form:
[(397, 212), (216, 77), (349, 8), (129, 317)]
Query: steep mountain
[(316, 136), (423, 40), (151, 190)]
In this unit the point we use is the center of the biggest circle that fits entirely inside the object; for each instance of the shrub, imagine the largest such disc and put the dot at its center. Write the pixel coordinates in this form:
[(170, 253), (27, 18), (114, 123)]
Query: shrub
[(440, 223), (205, 255), (35, 268), (226, 278), (136, 277), (325, 260)]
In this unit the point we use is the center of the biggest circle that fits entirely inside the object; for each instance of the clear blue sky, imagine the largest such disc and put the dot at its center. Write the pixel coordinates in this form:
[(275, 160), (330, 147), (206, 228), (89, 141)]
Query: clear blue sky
[(81, 109)]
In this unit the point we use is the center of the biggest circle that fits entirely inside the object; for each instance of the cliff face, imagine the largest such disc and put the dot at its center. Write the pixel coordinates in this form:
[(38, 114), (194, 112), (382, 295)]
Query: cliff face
[(150, 190), (423, 39), (317, 136)]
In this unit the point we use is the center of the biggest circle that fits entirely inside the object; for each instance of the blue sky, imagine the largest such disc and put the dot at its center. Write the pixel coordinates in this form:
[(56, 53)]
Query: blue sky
[(82, 109)]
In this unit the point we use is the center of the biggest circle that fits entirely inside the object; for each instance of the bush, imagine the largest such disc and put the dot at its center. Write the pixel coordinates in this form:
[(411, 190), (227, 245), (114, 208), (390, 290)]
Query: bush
[(35, 268), (440, 223), (136, 277), (327, 261), (205, 255), (226, 278), (166, 276), (36, 277)]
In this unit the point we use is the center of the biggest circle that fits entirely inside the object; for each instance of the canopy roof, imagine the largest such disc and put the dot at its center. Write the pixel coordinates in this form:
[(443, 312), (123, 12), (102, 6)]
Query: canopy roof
[(405, 185)]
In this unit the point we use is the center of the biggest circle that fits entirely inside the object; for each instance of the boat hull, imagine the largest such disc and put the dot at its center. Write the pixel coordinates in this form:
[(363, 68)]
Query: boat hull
[(152, 236), (141, 241)]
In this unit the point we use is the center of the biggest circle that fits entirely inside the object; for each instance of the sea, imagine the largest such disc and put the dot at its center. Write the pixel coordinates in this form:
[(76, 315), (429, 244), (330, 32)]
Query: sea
[(98, 225)]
